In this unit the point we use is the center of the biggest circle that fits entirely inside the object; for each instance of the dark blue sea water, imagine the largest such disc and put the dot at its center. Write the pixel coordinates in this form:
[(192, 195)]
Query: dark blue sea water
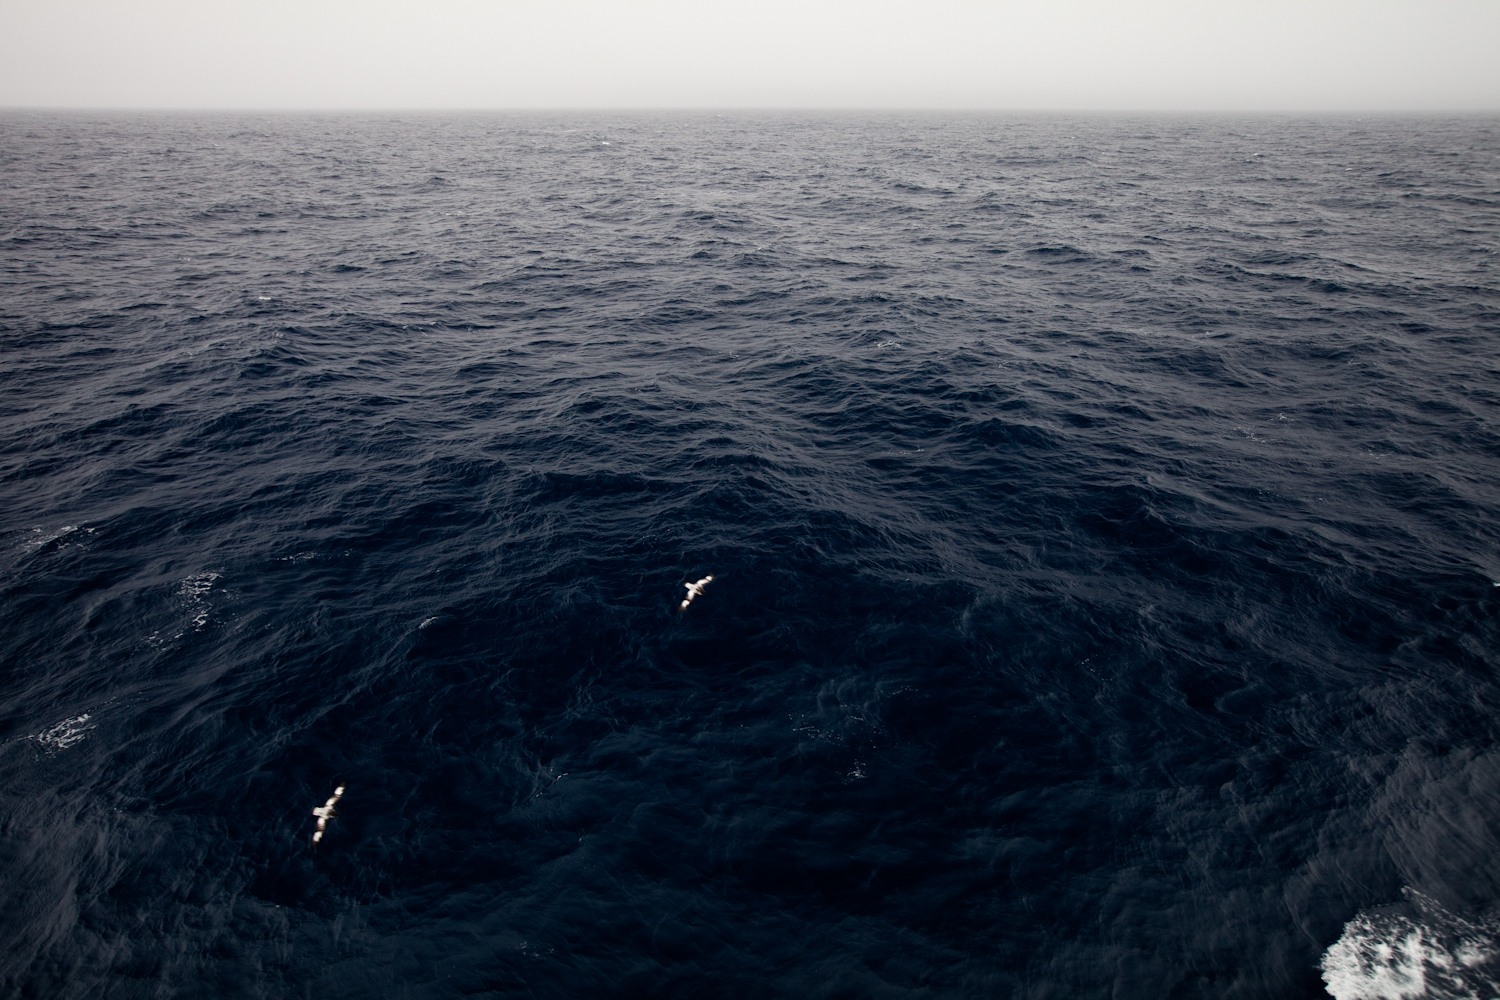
[(1104, 515)]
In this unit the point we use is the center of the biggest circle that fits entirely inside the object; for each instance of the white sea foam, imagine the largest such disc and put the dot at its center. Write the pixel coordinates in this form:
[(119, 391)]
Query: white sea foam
[(197, 586), (1394, 956), (64, 536), (194, 590), (65, 733)]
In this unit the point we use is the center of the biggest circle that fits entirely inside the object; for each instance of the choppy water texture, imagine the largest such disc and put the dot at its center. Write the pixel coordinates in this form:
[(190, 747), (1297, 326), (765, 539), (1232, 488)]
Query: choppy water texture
[(1102, 511)]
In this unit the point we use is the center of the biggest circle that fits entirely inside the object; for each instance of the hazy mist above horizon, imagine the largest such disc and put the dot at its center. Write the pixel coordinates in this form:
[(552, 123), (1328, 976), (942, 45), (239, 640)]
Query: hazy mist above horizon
[(1397, 55)]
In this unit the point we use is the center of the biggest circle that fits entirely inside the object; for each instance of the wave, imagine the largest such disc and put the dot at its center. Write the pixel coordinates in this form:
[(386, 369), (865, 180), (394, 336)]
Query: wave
[(1411, 951)]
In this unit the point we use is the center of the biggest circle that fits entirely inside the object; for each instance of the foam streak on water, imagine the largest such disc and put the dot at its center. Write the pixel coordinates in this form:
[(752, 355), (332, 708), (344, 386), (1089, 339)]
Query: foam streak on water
[(1389, 955), (1102, 515)]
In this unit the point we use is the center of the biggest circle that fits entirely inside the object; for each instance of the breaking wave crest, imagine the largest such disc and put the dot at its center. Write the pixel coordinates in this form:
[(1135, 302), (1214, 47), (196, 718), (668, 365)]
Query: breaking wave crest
[(1418, 949)]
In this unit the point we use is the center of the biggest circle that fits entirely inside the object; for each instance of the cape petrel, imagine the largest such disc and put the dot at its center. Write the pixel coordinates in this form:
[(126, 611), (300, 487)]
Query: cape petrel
[(694, 590), (326, 812)]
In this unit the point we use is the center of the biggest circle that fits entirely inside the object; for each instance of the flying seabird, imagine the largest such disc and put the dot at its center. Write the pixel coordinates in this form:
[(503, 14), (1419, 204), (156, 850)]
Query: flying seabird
[(326, 812), (694, 590)]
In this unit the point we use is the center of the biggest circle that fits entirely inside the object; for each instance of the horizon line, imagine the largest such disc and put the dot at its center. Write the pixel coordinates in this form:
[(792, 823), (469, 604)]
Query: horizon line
[(742, 108)]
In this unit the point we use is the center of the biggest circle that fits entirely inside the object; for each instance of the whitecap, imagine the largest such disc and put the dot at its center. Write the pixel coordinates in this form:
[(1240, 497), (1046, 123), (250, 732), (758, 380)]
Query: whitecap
[(1384, 954), (193, 589), (65, 733), (40, 539), (198, 585)]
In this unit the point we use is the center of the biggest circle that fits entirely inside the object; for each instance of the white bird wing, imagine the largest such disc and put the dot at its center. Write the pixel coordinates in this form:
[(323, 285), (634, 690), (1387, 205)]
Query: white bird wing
[(326, 812), (694, 590)]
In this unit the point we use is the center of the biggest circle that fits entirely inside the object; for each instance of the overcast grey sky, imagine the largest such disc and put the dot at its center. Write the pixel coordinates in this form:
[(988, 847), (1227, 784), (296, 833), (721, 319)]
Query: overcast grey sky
[(1129, 54)]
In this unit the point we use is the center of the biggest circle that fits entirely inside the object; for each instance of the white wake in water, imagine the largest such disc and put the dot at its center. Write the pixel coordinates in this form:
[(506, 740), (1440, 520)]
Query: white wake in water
[(1391, 956)]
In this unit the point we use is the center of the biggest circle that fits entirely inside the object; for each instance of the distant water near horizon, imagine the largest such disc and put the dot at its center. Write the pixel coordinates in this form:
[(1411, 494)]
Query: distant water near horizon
[(1103, 511)]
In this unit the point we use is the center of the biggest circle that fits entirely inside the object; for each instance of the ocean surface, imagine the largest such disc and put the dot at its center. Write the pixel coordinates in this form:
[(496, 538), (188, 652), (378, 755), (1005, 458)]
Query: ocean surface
[(1104, 517)]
